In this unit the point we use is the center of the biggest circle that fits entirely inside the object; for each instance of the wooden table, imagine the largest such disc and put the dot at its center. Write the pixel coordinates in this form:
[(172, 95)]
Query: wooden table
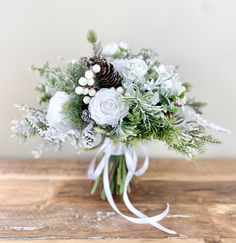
[(48, 200)]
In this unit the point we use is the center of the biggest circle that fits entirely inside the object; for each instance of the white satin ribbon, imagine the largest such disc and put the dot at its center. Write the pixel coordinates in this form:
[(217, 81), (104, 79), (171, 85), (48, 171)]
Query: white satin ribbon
[(108, 148)]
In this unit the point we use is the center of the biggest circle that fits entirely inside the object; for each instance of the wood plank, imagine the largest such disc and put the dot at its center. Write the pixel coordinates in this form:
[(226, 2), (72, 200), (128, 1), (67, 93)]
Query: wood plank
[(156, 192), (163, 169), (20, 192), (184, 170), (228, 240), (224, 217), (111, 241), (182, 192), (23, 192), (50, 200), (97, 220), (43, 169), (67, 210)]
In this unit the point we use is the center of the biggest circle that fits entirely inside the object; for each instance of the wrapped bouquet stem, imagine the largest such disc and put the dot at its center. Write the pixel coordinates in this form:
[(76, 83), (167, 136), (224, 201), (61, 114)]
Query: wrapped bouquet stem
[(117, 175), (111, 102)]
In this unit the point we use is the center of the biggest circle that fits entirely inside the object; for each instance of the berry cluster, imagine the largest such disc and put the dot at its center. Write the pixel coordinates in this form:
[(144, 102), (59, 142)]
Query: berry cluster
[(86, 84)]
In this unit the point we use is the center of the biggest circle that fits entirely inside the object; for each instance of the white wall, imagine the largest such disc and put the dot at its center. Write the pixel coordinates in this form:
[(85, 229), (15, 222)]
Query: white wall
[(197, 35)]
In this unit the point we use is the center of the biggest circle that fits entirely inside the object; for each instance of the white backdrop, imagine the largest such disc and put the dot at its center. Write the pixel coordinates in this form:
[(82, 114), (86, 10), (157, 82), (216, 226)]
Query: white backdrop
[(197, 35)]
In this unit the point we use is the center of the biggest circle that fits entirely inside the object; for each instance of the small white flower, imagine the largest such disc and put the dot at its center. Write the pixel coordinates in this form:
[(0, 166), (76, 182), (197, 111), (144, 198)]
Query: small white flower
[(165, 72), (54, 115), (107, 108), (169, 79), (174, 85), (135, 69), (149, 85), (110, 49)]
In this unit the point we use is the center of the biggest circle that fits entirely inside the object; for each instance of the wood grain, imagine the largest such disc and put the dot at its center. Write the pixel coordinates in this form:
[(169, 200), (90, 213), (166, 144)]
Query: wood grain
[(116, 241), (165, 169), (49, 200)]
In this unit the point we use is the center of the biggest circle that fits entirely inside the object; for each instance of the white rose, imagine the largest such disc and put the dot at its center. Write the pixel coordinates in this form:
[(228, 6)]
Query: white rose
[(110, 49), (107, 108), (135, 69), (54, 115)]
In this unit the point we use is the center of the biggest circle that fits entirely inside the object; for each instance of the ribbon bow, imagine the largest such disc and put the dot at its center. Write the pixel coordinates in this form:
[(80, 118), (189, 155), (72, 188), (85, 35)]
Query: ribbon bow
[(108, 148)]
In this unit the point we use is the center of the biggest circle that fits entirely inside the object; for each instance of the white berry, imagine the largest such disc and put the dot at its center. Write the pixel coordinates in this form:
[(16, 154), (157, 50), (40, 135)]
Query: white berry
[(86, 100), (83, 81), (79, 90), (91, 82), (92, 92), (89, 74), (120, 90), (86, 90), (96, 68)]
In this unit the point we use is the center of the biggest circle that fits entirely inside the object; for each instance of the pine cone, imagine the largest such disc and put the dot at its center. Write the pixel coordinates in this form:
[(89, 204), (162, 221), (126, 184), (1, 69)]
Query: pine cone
[(88, 138), (108, 77), (86, 116)]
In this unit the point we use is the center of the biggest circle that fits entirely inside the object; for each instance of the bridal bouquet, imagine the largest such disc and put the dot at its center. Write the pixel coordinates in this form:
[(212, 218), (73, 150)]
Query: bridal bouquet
[(111, 102)]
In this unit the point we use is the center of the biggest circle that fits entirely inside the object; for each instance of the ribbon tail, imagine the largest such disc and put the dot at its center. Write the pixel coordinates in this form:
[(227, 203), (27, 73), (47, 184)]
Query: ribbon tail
[(107, 190), (147, 220), (131, 164)]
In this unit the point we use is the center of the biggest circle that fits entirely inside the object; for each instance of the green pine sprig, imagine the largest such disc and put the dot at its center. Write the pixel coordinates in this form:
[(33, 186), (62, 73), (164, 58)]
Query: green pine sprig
[(72, 110)]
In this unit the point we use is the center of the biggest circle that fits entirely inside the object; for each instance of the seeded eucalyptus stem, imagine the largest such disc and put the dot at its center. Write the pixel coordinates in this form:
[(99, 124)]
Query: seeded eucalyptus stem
[(117, 176)]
